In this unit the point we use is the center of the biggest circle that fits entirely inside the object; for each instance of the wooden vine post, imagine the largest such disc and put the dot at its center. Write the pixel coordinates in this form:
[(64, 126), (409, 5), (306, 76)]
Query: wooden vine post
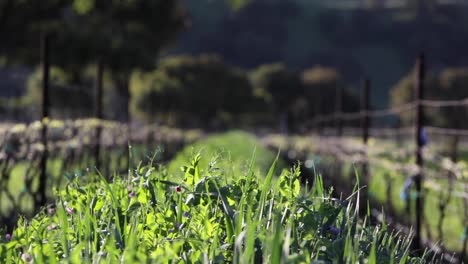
[(41, 195), (418, 180), (98, 113)]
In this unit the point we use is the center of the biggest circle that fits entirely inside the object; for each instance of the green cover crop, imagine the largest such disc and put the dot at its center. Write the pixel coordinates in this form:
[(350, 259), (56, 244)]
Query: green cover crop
[(151, 217)]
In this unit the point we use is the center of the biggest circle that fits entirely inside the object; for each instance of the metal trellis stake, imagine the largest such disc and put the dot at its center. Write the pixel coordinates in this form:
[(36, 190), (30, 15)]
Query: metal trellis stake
[(41, 196), (418, 181)]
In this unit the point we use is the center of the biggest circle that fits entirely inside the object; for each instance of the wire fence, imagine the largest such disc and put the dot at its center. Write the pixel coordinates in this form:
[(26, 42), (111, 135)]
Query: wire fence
[(425, 168), (77, 143), (71, 146), (445, 180), (403, 152)]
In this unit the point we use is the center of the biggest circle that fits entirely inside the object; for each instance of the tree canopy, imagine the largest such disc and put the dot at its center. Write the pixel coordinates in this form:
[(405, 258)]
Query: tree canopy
[(204, 90), (125, 34), (194, 89), (278, 83), (69, 98), (321, 86)]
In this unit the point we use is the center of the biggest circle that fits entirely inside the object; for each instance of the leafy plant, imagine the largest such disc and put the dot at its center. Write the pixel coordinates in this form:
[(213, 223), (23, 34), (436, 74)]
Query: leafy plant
[(148, 218)]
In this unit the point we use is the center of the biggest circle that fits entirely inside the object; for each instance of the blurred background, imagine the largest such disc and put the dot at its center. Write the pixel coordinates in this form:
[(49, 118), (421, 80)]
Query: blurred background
[(162, 74), (162, 58)]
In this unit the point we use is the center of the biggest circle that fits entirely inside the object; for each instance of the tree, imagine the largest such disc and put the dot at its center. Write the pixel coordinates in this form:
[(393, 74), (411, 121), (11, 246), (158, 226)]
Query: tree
[(60, 91), (283, 87), (238, 4), (321, 85), (62, 88), (126, 34), (191, 90)]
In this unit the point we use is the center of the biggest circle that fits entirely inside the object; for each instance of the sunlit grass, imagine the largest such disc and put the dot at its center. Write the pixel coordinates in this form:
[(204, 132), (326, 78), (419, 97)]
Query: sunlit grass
[(386, 157), (152, 217)]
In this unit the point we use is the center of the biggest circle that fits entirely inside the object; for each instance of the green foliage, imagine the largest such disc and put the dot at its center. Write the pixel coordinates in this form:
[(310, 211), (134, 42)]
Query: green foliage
[(148, 219), (238, 4), (60, 92), (278, 83), (153, 96), (231, 150), (321, 85), (283, 90), (179, 87), (391, 167), (70, 94), (302, 96), (126, 34), (188, 89), (82, 7)]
